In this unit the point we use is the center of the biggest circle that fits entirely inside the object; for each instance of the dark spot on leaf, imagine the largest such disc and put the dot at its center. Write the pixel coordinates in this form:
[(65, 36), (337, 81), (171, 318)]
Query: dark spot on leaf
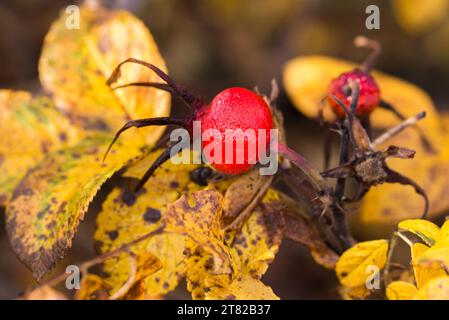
[(96, 124), (230, 297), (42, 212), (209, 263), (113, 234), (63, 136), (98, 245), (173, 184), (129, 198), (62, 206), (152, 215), (45, 146), (166, 285), (51, 225), (76, 155)]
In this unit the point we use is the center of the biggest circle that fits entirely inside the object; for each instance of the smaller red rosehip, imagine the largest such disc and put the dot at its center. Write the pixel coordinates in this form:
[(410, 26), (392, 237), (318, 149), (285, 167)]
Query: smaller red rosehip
[(369, 93)]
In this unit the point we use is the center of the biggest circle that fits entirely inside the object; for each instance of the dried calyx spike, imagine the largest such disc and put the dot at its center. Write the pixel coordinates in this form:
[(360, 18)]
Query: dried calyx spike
[(368, 166), (370, 94), (232, 109)]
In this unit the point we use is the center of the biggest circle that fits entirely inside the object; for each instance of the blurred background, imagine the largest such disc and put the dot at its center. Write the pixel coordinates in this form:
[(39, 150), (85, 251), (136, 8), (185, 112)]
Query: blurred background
[(213, 44)]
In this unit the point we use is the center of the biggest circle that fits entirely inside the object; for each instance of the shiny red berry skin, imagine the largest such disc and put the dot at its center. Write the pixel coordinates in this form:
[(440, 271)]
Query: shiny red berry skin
[(369, 92), (236, 108)]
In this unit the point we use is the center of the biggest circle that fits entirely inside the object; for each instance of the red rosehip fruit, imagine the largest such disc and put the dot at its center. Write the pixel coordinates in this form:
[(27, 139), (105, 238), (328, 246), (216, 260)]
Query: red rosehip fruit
[(237, 115), (369, 93)]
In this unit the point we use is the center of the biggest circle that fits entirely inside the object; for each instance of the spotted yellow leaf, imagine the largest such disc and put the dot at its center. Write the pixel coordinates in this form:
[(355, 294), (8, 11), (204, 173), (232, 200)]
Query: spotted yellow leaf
[(75, 64), (29, 129), (401, 290), (424, 229), (200, 264), (48, 204), (199, 218), (435, 254), (252, 248), (424, 272), (243, 287), (126, 216), (352, 267)]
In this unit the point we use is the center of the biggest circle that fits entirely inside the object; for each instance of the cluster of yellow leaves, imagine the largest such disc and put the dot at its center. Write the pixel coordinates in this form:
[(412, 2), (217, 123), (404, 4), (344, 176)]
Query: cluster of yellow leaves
[(429, 251), (430, 263), (51, 149), (306, 80), (193, 245)]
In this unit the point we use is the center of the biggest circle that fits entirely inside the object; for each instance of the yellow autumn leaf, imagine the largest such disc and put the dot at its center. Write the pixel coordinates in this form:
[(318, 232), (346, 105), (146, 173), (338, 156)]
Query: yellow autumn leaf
[(401, 290), (424, 229), (424, 272), (55, 193), (92, 287), (440, 251), (435, 254), (419, 16), (77, 82), (199, 219), (443, 237), (48, 204), (353, 264), (435, 289), (126, 216), (445, 120), (147, 264), (200, 264), (243, 287), (252, 248), (29, 129)]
